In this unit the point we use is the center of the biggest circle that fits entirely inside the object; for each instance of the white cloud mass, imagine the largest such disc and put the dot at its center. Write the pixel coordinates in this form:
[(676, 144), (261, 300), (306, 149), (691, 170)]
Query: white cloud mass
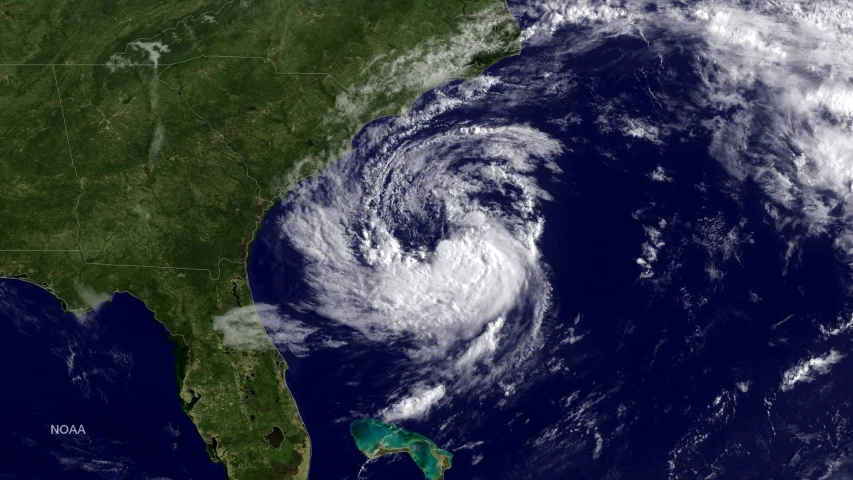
[(416, 405), (242, 329), (403, 240), (481, 265), (807, 370)]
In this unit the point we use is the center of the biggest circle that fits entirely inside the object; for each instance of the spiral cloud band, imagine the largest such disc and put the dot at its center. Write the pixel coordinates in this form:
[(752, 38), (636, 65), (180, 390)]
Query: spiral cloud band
[(430, 238)]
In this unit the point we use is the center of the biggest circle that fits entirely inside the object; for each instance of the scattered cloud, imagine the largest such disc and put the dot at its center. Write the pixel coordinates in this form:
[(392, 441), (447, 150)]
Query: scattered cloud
[(416, 405), (659, 175), (156, 144), (808, 370), (241, 327), (291, 334), (483, 345), (651, 247), (138, 52), (91, 299)]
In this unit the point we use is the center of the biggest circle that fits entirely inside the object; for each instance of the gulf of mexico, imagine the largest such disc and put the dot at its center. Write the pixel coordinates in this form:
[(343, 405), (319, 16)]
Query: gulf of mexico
[(111, 372)]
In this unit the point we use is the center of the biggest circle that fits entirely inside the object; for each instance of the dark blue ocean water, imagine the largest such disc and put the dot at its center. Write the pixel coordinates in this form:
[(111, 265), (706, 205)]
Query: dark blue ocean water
[(677, 375), (113, 372)]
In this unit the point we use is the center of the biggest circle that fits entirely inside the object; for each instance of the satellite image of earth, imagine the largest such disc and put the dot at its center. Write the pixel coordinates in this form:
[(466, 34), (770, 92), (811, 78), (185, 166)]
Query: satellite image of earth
[(426, 239)]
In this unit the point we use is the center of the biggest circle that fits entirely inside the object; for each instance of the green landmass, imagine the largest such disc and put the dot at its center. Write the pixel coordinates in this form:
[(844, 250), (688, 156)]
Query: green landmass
[(375, 438), (141, 144)]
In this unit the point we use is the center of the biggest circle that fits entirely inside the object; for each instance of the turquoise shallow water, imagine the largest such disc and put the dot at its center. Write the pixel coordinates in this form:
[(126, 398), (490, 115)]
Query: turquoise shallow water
[(372, 436)]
